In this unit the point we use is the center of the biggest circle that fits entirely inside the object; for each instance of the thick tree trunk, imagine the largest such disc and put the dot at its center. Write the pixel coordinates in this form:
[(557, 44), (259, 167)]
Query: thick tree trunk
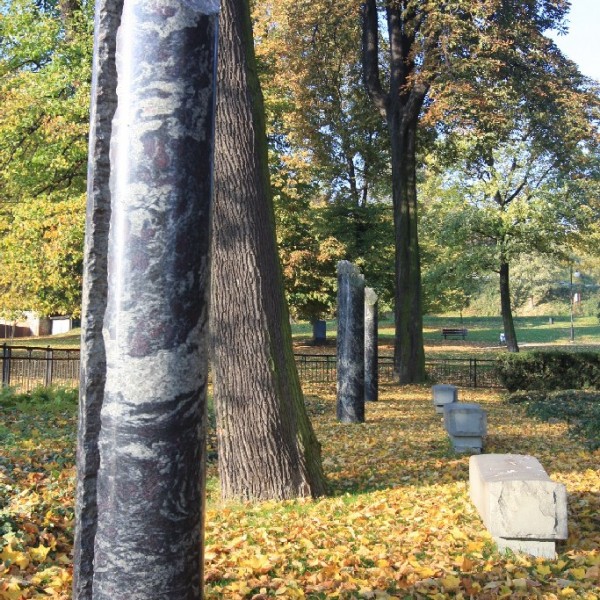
[(505, 304), (267, 447), (400, 107), (409, 354), (93, 356)]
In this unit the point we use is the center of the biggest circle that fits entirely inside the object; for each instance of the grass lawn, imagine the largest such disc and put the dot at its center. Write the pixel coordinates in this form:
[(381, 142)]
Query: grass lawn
[(482, 338), (397, 524)]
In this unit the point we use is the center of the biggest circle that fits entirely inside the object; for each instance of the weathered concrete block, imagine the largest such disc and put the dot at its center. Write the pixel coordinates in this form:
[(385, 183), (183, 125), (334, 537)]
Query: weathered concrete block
[(522, 508), (466, 425), (443, 394)]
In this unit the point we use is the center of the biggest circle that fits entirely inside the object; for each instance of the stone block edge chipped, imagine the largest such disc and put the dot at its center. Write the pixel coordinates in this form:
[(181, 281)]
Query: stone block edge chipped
[(501, 493)]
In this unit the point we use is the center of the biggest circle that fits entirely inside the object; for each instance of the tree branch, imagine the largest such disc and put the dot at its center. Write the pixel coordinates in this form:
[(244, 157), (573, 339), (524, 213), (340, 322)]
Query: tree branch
[(370, 57)]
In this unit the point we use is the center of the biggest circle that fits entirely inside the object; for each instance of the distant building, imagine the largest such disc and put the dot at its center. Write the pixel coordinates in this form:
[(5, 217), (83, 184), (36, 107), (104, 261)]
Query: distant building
[(31, 324)]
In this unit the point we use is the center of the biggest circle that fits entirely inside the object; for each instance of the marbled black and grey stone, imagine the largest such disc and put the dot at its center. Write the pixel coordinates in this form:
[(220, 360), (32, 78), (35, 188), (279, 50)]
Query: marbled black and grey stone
[(151, 476), (371, 349), (350, 344), (95, 285)]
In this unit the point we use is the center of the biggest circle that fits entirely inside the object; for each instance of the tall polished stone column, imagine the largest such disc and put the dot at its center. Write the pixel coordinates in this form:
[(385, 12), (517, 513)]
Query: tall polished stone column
[(371, 349), (151, 478), (350, 344)]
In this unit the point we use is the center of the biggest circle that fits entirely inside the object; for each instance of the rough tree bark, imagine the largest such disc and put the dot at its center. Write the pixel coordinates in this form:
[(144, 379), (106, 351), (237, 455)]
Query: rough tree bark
[(400, 107), (506, 308), (267, 447), (93, 356)]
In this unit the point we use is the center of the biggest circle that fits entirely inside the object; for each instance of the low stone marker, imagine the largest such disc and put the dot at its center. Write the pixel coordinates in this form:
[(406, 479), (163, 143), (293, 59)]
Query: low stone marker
[(443, 394), (466, 425), (523, 509)]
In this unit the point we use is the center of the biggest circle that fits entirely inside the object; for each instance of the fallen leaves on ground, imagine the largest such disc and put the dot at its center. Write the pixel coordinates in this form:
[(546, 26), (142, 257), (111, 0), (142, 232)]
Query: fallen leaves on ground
[(398, 522)]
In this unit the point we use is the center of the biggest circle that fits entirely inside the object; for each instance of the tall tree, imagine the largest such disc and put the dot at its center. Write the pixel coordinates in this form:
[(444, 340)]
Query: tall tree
[(267, 447), (45, 57), (327, 148), (447, 62)]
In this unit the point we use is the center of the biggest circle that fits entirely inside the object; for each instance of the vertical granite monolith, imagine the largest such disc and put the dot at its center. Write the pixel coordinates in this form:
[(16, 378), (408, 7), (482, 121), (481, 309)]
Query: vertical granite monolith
[(95, 285), (371, 349), (150, 486), (350, 344)]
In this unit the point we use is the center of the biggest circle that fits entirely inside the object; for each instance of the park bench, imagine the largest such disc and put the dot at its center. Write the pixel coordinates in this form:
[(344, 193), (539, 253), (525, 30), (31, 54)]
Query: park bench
[(454, 332)]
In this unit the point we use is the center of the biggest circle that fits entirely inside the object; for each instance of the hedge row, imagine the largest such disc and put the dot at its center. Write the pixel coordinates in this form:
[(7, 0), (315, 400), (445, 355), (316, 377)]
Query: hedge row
[(580, 409), (550, 371)]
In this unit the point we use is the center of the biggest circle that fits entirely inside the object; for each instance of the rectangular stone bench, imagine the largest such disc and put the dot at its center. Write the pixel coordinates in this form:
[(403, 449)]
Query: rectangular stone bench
[(466, 424), (523, 509)]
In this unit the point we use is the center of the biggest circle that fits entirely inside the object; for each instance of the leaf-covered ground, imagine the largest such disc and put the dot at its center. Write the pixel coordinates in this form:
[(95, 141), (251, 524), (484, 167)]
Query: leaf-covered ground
[(398, 523)]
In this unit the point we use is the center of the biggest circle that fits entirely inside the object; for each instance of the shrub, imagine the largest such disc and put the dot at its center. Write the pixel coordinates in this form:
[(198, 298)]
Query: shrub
[(581, 409), (550, 370)]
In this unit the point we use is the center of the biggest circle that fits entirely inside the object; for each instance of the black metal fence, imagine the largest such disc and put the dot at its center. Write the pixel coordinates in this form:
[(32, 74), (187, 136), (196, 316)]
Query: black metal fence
[(25, 368), (471, 372)]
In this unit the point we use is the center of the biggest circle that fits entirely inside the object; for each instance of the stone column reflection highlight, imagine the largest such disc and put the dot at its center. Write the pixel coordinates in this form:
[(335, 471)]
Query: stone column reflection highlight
[(151, 479)]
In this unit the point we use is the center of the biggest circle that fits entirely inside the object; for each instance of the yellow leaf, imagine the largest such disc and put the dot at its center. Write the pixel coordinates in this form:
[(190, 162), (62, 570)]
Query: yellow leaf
[(578, 573), (543, 570), (14, 557), (450, 583), (40, 553), (568, 592)]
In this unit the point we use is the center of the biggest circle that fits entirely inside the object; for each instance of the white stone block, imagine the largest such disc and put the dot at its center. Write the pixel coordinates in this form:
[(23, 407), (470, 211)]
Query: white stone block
[(443, 394), (465, 419), (518, 503)]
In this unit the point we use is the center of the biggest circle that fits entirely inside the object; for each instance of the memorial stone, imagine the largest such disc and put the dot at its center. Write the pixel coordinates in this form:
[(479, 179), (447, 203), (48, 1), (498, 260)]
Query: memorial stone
[(466, 425), (523, 509), (350, 344), (148, 541), (319, 332), (371, 349), (443, 394)]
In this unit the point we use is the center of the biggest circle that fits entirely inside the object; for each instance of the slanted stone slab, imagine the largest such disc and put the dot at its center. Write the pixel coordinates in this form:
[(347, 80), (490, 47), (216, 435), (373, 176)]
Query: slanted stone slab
[(466, 425), (443, 394), (523, 509)]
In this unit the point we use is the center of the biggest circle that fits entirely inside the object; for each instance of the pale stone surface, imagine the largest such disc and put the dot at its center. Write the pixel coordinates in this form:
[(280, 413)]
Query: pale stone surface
[(465, 443), (466, 425), (541, 548), (350, 344), (465, 419), (443, 394), (518, 501)]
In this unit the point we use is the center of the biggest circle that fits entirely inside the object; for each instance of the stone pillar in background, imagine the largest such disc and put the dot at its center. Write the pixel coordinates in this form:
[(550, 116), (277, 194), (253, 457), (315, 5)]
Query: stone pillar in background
[(150, 492), (350, 344), (319, 332), (371, 349)]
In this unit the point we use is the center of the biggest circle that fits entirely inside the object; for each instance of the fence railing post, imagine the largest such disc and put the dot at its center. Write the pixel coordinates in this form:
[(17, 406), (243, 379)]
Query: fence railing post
[(6, 353), (49, 367)]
